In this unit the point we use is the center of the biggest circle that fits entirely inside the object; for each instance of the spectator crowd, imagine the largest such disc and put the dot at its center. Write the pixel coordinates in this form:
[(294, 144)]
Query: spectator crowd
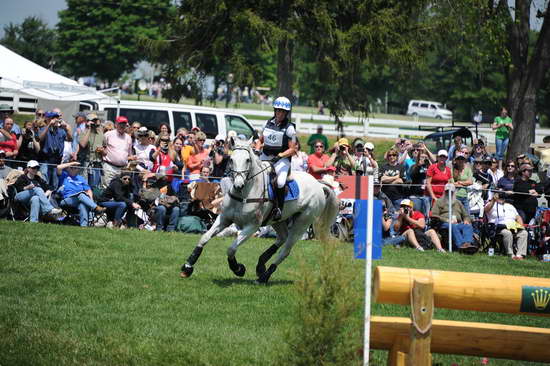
[(137, 177)]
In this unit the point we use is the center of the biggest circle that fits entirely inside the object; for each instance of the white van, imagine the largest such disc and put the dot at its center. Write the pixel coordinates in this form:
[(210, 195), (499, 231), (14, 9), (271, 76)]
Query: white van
[(211, 121), (423, 108)]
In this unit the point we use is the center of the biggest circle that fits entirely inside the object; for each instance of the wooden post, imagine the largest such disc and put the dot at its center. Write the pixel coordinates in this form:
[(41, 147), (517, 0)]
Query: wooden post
[(460, 290), (422, 307), (397, 355)]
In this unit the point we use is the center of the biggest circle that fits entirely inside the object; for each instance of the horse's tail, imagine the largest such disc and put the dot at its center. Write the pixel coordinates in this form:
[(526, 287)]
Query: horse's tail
[(322, 225)]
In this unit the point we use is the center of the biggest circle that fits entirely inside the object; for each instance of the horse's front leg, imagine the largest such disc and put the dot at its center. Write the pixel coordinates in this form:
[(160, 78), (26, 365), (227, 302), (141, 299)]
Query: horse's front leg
[(282, 233), (219, 225), (238, 268)]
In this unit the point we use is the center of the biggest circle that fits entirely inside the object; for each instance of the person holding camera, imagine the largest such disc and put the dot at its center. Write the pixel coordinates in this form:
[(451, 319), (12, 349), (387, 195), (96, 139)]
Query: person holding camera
[(342, 158), (220, 160), (163, 157), (509, 224), (392, 176), (30, 146), (411, 225), (90, 151), (197, 159), (364, 158), (52, 140), (417, 175)]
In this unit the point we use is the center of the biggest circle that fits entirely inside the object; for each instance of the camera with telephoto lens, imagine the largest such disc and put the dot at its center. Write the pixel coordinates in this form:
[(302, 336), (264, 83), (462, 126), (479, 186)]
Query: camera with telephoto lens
[(342, 148), (406, 210), (29, 134)]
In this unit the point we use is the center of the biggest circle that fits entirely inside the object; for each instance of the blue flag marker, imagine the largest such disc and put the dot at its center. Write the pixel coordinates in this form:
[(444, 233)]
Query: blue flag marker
[(360, 229)]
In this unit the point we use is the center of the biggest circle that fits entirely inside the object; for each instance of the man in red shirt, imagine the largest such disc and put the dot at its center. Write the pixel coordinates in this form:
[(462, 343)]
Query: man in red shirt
[(411, 225), (316, 161)]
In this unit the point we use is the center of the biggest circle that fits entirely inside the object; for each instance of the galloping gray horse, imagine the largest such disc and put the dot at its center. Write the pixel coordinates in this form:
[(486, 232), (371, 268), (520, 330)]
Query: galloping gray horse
[(248, 206)]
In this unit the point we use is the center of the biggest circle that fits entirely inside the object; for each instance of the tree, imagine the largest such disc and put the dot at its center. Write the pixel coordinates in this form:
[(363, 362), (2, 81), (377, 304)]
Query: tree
[(102, 38), (340, 37), (496, 28), (31, 39)]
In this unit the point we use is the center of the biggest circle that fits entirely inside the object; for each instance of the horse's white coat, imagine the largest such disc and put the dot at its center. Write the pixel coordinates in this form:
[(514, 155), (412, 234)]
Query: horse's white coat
[(250, 179)]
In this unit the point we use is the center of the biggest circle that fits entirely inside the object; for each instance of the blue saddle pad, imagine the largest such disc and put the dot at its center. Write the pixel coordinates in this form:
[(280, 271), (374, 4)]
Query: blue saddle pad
[(292, 194)]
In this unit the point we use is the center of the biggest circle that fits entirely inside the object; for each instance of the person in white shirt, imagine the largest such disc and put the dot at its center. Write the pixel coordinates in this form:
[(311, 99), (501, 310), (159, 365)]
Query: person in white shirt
[(507, 219), (143, 150)]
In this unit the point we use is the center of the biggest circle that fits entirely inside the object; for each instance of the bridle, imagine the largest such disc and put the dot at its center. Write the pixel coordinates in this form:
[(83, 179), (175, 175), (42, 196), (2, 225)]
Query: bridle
[(245, 174)]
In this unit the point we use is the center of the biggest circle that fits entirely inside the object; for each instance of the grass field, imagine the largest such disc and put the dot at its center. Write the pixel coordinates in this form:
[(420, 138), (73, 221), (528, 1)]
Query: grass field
[(104, 297)]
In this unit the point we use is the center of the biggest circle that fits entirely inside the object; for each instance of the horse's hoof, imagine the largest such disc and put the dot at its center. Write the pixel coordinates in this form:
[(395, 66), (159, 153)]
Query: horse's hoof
[(264, 277), (241, 270), (260, 269), (186, 271)]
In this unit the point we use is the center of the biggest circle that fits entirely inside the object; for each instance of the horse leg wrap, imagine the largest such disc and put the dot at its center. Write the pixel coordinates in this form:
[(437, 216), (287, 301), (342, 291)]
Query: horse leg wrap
[(238, 268), (265, 276), (260, 267), (194, 256)]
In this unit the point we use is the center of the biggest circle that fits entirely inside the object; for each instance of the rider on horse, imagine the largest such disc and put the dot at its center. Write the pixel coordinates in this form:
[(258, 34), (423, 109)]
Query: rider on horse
[(279, 144)]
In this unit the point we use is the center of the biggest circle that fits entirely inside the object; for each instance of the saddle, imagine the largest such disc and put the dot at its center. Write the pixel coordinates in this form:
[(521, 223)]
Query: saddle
[(292, 191)]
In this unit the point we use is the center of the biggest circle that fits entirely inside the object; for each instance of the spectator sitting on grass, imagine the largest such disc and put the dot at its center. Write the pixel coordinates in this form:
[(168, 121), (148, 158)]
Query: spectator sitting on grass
[(33, 190), (76, 192), (411, 225), (461, 223)]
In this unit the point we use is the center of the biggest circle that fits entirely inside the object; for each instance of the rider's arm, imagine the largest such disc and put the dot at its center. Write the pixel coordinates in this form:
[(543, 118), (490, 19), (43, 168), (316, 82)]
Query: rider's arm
[(290, 151)]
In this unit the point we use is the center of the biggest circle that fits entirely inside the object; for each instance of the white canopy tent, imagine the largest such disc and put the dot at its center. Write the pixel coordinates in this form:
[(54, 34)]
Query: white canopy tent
[(26, 79)]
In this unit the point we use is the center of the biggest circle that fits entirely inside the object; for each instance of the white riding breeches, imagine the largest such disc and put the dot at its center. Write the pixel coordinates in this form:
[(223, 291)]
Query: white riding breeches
[(282, 167)]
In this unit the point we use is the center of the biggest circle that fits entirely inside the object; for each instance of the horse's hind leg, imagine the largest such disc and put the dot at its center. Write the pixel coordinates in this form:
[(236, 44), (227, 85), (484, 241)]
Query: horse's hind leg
[(300, 225), (282, 233), (187, 268), (238, 268)]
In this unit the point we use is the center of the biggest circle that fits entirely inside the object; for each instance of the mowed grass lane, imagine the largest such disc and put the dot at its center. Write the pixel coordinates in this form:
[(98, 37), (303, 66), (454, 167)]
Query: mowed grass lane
[(104, 297)]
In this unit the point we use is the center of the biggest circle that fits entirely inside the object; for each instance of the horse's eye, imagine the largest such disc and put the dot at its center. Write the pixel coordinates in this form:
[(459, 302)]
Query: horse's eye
[(248, 161)]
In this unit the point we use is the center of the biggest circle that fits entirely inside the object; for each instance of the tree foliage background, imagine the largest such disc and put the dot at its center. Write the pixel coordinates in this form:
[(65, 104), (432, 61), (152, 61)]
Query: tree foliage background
[(470, 54), (31, 39)]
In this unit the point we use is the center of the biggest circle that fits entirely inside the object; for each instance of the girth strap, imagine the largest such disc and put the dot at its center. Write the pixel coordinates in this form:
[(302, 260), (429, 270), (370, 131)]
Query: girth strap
[(248, 200)]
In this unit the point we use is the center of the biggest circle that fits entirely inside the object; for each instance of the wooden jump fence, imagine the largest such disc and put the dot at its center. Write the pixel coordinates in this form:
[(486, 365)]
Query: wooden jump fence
[(412, 341)]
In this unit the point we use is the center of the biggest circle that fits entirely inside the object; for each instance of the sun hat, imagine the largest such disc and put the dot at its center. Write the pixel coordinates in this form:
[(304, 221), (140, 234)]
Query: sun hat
[(343, 141)]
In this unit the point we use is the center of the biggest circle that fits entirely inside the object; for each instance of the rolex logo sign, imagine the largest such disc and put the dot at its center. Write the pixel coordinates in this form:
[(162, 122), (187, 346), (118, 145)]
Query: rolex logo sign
[(535, 299)]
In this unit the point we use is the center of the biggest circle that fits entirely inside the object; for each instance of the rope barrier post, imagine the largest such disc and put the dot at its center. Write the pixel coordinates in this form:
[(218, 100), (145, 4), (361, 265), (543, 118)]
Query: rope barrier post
[(450, 221), (368, 265)]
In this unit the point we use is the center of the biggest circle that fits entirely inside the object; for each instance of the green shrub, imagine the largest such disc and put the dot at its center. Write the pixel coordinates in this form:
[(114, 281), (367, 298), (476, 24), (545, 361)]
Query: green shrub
[(325, 330)]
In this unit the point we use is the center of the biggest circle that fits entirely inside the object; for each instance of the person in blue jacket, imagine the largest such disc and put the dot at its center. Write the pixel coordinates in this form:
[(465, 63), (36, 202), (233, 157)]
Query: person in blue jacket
[(76, 191)]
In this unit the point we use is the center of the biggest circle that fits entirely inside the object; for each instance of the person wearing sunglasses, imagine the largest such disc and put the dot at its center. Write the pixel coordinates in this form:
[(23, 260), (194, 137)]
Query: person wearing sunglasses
[(392, 177), (118, 198), (163, 157), (506, 183), (526, 192), (437, 176), (199, 156), (316, 161)]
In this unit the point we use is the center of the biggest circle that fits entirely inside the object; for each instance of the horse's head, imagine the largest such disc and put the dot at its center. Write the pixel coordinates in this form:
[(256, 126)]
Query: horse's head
[(241, 163)]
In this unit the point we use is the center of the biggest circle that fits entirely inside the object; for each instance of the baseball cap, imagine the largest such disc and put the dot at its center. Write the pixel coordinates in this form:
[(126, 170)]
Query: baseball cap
[(442, 153), (369, 145), (219, 137), (92, 116), (142, 131), (32, 164), (51, 114), (407, 202), (331, 168), (121, 119)]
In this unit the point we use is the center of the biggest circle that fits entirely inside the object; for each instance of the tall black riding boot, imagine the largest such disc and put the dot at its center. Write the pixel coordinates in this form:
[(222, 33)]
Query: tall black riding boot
[(279, 203)]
